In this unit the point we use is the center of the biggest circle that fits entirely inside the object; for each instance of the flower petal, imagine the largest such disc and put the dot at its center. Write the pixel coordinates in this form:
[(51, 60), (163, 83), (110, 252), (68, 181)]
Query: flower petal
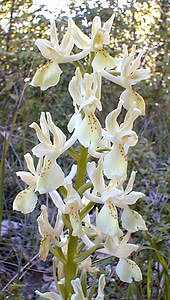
[(40, 134), (116, 79), (115, 162), (133, 197), (50, 178), (139, 75), (96, 175), (76, 284), (103, 61), (89, 133), (132, 221), (127, 270), (54, 38), (129, 186), (131, 98), (119, 249), (125, 251), (101, 285), (47, 76), (108, 24), (96, 25), (25, 201), (107, 219), (68, 41), (112, 125), (30, 163), (42, 149), (27, 177), (49, 295), (75, 87), (59, 137), (74, 122), (44, 248), (46, 48), (137, 61), (81, 40), (44, 126), (57, 200)]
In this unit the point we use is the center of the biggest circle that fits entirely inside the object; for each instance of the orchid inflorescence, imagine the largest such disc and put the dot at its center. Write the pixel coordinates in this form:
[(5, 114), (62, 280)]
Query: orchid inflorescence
[(100, 169)]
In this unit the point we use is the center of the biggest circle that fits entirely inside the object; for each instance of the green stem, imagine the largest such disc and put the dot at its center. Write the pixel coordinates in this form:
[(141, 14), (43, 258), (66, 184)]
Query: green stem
[(71, 266), (93, 287), (66, 221), (79, 248), (82, 256), (63, 191), (78, 64), (73, 154), (81, 167), (86, 209), (58, 253), (83, 279), (85, 187), (89, 68)]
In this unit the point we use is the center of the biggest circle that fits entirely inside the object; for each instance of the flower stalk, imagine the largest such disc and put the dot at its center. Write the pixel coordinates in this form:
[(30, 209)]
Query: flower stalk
[(99, 172)]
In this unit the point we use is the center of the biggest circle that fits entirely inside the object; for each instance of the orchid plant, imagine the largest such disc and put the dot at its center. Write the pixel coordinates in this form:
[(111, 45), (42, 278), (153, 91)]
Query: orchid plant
[(95, 183)]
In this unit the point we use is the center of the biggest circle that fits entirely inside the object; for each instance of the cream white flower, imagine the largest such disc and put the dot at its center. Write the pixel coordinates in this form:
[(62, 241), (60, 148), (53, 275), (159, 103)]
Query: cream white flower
[(49, 233), (54, 148), (117, 246), (86, 93), (128, 196), (85, 90), (120, 197), (100, 36), (113, 195), (101, 193), (71, 206), (130, 74), (52, 140), (47, 177), (131, 220), (107, 218), (129, 69), (49, 75), (121, 137)]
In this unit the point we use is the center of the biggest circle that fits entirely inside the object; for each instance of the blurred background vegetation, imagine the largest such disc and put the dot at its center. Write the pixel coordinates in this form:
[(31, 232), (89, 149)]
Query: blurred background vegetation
[(139, 22)]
